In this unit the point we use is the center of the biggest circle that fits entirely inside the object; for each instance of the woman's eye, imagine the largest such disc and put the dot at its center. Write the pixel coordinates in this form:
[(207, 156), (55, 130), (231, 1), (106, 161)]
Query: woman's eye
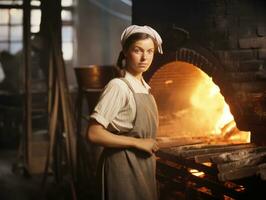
[(150, 51), (136, 50)]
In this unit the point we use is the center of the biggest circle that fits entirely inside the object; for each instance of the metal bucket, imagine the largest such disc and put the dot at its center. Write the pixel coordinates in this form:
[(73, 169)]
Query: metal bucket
[(95, 76)]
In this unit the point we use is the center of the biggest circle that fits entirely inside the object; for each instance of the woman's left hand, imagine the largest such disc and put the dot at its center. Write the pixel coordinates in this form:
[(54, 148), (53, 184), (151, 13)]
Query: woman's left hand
[(148, 145), (155, 147)]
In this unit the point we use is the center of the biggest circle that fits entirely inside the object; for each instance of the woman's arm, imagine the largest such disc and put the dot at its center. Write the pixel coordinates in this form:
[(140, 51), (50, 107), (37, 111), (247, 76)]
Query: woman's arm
[(99, 135)]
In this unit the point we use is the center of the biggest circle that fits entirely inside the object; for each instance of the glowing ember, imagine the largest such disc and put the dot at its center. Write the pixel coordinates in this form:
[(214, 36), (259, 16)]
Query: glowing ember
[(196, 172), (207, 164), (168, 82)]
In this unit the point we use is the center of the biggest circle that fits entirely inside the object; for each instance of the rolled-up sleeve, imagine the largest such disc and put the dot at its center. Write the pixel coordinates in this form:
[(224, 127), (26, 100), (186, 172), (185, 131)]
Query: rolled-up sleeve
[(112, 100)]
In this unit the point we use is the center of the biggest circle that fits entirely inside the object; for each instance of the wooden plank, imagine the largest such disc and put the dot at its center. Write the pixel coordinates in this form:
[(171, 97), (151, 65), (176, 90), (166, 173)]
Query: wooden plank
[(186, 162), (167, 142), (237, 155), (50, 84), (208, 149), (252, 160), (68, 119), (205, 157), (53, 120), (238, 173)]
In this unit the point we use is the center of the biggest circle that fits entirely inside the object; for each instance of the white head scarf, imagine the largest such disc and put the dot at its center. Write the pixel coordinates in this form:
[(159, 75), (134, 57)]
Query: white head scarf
[(142, 29)]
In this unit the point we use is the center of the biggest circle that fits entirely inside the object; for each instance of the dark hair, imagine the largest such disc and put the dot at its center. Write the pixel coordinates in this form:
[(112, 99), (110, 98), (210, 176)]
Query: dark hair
[(129, 41)]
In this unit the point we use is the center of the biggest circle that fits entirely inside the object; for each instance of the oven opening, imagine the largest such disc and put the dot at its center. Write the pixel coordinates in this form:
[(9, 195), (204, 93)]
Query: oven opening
[(192, 108)]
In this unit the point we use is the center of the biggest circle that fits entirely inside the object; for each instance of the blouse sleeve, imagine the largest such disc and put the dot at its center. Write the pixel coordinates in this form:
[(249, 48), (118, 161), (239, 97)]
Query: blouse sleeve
[(112, 100)]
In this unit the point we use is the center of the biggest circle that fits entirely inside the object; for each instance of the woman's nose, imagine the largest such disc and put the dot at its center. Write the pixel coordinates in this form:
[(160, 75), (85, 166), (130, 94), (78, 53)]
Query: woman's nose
[(144, 56)]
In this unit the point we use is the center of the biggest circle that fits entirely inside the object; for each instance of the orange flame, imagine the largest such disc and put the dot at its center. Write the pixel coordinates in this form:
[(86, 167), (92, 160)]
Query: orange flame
[(207, 97), (191, 105)]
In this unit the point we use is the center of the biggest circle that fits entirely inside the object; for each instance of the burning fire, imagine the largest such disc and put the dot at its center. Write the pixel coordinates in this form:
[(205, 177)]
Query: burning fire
[(191, 105), (207, 97)]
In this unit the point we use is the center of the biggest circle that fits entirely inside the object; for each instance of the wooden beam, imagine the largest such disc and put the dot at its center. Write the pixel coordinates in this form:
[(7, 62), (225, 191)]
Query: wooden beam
[(167, 142), (228, 156), (252, 160), (27, 79), (190, 151), (237, 155), (238, 173), (166, 155)]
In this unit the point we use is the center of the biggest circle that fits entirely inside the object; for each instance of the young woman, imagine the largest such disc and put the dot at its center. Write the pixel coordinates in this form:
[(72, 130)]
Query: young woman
[(125, 122)]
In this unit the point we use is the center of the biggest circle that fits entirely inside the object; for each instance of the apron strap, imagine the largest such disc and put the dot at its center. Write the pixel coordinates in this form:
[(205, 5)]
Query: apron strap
[(132, 90), (128, 84)]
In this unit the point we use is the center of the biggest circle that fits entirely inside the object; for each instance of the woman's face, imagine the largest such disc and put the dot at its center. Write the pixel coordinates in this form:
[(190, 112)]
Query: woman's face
[(139, 56)]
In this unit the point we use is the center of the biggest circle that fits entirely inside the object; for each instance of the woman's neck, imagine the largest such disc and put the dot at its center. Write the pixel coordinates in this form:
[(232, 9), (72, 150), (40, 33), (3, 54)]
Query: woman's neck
[(136, 75)]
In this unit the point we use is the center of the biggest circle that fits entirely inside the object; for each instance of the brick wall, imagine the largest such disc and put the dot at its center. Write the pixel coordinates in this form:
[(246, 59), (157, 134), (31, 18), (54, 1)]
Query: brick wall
[(234, 30)]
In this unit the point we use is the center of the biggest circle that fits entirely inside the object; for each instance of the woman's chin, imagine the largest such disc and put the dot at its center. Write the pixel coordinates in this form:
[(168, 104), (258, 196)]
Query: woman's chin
[(139, 70), (142, 68)]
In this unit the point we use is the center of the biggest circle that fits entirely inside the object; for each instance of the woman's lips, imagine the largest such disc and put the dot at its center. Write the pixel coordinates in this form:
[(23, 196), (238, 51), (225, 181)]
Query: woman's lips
[(143, 64)]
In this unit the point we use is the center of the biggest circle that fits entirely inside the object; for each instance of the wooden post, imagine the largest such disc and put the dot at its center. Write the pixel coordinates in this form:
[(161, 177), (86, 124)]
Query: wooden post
[(60, 107), (27, 80)]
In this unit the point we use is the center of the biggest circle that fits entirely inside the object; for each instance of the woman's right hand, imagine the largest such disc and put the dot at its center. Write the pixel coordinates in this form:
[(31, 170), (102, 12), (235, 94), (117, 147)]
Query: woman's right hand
[(148, 145)]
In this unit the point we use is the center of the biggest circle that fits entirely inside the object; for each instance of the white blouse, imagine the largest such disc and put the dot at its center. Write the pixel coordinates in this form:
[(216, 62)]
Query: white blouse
[(116, 108)]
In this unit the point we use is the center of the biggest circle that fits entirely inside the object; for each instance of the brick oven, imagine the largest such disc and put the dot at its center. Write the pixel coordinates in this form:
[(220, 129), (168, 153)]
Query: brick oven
[(225, 42), (229, 36)]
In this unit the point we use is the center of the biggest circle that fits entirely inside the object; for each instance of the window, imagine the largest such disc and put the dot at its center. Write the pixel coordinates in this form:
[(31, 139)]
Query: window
[(67, 29), (11, 29), (11, 25)]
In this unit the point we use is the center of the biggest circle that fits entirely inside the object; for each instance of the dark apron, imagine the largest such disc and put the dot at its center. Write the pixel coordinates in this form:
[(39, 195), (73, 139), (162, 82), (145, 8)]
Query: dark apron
[(129, 174)]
